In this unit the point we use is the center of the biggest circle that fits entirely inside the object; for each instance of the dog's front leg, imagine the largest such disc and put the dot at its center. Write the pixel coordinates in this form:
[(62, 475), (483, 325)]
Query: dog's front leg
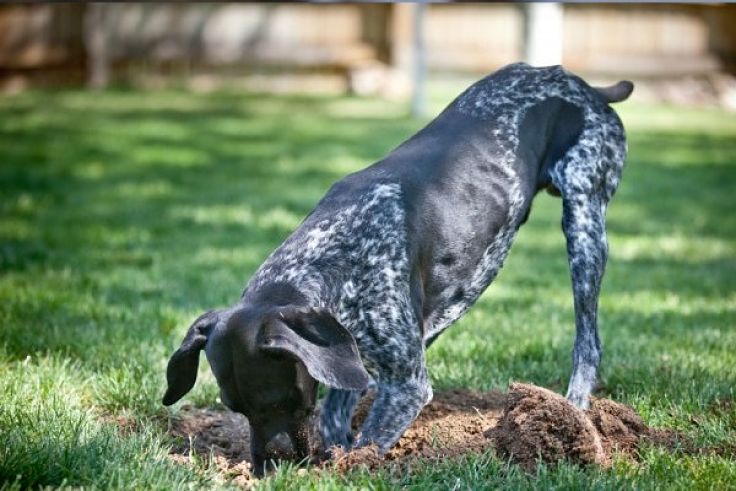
[(583, 222), (396, 406), (335, 417)]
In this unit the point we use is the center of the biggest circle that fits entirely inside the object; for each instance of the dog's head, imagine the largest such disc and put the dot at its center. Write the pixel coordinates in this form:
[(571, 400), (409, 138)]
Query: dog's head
[(267, 362)]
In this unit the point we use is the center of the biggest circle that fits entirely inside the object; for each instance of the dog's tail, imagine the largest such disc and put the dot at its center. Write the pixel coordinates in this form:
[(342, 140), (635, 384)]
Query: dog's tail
[(616, 93)]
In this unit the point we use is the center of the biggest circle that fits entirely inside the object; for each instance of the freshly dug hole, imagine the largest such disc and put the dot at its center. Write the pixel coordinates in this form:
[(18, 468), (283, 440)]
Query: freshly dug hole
[(221, 433), (527, 423)]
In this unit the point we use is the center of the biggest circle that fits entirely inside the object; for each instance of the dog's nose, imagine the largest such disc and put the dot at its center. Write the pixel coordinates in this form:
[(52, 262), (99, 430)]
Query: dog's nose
[(280, 446)]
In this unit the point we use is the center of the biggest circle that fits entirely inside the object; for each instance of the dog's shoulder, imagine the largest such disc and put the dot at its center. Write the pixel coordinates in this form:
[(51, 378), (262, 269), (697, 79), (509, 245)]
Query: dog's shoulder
[(352, 225)]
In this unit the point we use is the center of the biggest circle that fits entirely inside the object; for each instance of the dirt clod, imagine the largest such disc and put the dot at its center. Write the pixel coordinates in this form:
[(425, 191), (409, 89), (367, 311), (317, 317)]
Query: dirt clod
[(539, 424)]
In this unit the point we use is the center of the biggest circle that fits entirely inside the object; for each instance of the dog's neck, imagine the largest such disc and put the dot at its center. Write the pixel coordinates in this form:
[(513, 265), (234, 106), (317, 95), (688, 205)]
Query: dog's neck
[(275, 294)]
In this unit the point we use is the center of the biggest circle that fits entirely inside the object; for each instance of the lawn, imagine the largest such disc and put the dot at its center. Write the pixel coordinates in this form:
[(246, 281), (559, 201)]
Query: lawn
[(126, 214)]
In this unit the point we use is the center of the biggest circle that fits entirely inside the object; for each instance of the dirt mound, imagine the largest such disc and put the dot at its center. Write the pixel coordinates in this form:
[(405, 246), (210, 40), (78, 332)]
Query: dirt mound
[(526, 424), (619, 427), (539, 424)]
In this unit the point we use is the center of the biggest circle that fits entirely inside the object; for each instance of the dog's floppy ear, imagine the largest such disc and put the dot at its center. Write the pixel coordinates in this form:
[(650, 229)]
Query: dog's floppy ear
[(182, 370), (318, 340)]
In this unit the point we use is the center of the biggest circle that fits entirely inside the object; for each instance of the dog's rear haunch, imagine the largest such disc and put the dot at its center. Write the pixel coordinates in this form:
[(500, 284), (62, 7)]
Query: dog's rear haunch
[(397, 252)]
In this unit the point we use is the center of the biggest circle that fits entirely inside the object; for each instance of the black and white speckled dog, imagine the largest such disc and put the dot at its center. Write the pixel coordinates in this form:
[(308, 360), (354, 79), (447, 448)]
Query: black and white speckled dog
[(395, 253)]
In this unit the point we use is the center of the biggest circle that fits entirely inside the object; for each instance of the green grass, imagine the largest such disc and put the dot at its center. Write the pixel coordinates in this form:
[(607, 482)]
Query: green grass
[(125, 214)]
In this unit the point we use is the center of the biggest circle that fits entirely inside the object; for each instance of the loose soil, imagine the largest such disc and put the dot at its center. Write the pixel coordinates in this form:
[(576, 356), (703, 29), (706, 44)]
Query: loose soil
[(526, 424), (222, 434)]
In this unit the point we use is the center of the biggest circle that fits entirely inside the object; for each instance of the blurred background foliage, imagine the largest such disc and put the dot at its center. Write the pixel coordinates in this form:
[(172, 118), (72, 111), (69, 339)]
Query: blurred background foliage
[(679, 53)]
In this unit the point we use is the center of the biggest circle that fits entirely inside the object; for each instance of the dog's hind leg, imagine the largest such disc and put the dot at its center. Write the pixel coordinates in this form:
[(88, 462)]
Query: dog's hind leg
[(587, 178), (336, 416), (583, 222)]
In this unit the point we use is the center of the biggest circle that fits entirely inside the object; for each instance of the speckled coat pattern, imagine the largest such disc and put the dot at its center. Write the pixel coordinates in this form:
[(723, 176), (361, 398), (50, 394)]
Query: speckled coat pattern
[(363, 256)]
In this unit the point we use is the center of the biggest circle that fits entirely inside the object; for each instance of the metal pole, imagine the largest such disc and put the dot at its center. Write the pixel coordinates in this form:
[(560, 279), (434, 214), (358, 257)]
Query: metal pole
[(543, 33), (96, 43), (419, 96)]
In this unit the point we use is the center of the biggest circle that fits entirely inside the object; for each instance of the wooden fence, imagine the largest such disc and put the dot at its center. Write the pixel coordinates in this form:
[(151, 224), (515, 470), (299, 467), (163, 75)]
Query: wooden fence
[(48, 41)]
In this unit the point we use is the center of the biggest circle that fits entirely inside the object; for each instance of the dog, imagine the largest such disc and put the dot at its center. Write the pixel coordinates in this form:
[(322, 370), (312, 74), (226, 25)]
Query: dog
[(394, 254)]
